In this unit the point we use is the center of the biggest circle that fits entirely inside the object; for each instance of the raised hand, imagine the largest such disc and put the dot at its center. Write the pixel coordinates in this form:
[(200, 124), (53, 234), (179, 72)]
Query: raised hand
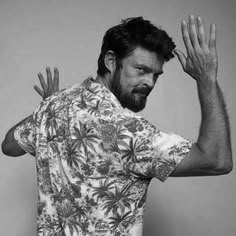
[(51, 86), (201, 61)]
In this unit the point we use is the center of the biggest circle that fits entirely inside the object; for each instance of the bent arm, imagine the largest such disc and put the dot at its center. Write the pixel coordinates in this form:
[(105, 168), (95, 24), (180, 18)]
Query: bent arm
[(212, 154), (9, 145)]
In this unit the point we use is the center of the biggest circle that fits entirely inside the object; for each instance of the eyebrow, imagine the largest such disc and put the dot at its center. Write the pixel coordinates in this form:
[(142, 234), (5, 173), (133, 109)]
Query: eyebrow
[(149, 69)]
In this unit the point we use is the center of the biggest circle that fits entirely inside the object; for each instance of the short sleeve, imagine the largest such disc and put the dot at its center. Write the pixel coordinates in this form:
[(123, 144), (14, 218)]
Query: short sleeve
[(157, 153), (25, 135), (168, 150)]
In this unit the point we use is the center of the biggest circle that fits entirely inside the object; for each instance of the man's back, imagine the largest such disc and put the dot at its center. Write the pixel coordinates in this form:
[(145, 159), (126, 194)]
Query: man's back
[(94, 161)]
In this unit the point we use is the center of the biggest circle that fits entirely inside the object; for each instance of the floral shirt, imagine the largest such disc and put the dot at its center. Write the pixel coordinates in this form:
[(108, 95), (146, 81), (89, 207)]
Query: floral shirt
[(95, 161)]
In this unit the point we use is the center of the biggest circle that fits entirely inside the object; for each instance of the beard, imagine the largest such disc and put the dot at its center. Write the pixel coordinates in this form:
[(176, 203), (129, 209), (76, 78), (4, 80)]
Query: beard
[(135, 100)]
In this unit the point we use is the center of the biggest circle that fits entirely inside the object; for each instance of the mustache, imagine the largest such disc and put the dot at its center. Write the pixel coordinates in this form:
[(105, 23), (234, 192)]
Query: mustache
[(143, 90)]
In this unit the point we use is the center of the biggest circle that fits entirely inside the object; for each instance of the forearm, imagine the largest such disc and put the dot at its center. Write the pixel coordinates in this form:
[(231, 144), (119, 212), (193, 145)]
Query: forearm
[(214, 136), (9, 145)]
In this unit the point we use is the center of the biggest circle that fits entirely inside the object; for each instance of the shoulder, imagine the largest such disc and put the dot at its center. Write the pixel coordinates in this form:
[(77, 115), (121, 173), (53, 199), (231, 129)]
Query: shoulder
[(57, 102)]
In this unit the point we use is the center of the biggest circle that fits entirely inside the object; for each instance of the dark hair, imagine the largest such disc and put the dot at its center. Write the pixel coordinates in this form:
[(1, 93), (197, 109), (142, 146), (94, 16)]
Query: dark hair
[(131, 33)]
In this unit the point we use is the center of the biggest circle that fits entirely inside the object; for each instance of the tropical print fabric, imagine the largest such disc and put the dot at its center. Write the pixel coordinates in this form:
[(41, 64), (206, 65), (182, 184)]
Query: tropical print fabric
[(95, 161)]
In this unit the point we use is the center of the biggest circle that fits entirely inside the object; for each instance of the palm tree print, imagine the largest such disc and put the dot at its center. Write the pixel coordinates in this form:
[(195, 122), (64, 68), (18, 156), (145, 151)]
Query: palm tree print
[(134, 148), (120, 221), (94, 161), (72, 155), (84, 137), (71, 217), (94, 110), (103, 189), (81, 103), (118, 200), (85, 99), (53, 115)]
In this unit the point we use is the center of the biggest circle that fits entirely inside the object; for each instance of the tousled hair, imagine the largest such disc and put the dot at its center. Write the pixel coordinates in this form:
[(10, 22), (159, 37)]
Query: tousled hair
[(131, 33)]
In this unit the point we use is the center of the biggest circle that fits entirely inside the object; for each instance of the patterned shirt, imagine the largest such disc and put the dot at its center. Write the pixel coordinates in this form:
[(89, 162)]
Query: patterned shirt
[(95, 161)]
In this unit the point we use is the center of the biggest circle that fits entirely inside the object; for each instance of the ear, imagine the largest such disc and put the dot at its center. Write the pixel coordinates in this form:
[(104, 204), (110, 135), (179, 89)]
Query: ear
[(110, 61)]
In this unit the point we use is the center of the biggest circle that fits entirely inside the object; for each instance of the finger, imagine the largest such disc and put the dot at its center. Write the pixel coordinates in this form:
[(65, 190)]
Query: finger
[(49, 78), (201, 32), (185, 35), (212, 38), (39, 91), (193, 32), (181, 57), (56, 79), (42, 82)]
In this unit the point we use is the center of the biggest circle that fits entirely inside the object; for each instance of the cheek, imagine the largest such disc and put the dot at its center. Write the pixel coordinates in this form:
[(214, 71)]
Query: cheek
[(124, 80), (129, 80), (126, 84)]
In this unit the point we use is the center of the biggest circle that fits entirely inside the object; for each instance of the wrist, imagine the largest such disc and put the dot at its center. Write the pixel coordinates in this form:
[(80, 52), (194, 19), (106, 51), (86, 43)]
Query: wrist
[(206, 90), (207, 82)]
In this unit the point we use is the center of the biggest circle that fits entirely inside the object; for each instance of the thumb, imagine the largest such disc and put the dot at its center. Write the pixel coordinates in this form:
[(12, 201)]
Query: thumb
[(181, 57)]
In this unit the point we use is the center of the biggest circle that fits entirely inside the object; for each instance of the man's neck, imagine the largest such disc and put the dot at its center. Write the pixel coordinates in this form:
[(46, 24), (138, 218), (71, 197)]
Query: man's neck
[(103, 81)]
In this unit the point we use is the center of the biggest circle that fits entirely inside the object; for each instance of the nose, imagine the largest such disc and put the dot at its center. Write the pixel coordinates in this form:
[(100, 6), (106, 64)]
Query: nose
[(149, 80)]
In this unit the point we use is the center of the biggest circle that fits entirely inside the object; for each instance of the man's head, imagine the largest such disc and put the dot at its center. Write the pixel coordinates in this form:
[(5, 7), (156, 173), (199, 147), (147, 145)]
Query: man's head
[(131, 59)]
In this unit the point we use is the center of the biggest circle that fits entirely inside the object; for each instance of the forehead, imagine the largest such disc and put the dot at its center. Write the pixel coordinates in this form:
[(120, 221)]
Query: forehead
[(144, 57)]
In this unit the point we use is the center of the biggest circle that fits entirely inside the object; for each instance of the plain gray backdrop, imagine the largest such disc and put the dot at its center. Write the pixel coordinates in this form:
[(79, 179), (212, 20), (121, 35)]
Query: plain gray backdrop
[(68, 34)]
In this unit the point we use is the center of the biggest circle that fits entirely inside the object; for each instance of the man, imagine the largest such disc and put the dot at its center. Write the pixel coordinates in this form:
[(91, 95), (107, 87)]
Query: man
[(95, 159)]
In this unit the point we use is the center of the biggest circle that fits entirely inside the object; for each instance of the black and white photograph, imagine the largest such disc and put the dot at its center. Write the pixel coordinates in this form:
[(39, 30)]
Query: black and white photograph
[(117, 118)]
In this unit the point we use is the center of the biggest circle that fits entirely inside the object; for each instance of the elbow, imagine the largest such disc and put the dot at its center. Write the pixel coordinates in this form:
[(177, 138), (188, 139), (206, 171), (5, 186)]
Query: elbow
[(224, 170), (10, 146), (5, 148), (8, 150), (226, 166)]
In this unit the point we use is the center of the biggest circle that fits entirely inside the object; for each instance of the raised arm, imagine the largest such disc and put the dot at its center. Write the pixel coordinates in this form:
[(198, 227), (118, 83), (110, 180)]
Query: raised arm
[(212, 154), (10, 147)]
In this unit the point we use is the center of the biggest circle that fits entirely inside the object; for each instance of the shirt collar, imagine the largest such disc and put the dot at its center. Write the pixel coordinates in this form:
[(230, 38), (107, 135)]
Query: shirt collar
[(101, 91)]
